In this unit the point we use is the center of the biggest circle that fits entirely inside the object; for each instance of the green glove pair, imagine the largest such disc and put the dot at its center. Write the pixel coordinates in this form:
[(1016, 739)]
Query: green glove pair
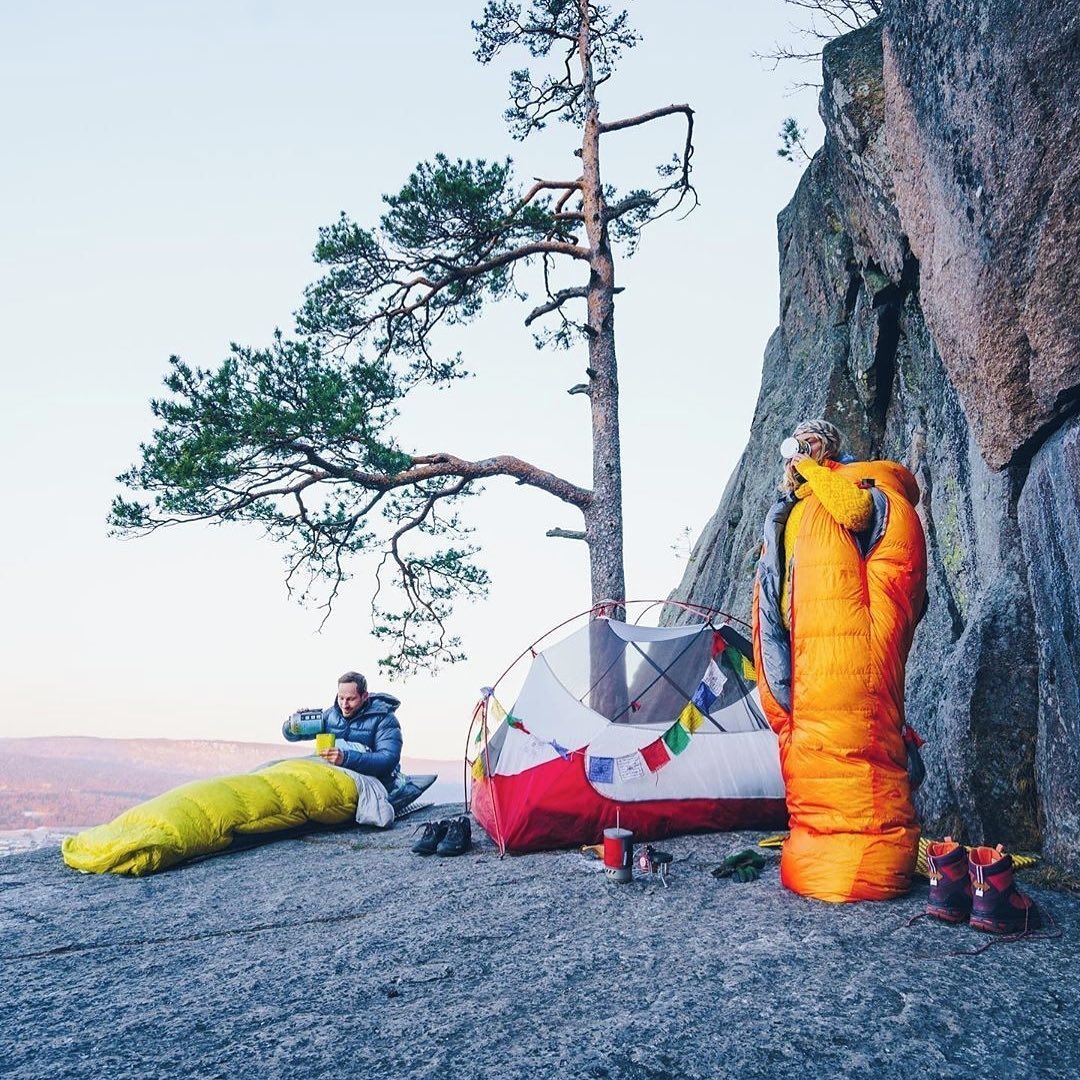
[(742, 866)]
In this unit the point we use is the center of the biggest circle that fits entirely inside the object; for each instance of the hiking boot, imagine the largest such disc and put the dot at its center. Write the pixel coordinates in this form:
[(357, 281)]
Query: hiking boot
[(997, 905), (431, 838), (458, 838), (950, 885)]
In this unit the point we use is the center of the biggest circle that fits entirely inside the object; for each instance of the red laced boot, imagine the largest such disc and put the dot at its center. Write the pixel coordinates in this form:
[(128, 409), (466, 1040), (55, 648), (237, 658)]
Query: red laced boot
[(950, 885), (997, 905)]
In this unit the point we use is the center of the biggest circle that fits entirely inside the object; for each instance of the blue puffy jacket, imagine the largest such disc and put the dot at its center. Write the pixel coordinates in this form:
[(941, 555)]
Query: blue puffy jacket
[(375, 725)]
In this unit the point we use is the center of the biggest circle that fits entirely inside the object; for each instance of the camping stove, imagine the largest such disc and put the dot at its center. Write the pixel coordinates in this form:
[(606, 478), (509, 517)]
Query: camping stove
[(656, 862)]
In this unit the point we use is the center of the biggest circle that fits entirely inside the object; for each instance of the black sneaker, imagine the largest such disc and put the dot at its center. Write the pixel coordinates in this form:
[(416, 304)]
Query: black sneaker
[(434, 832), (458, 838)]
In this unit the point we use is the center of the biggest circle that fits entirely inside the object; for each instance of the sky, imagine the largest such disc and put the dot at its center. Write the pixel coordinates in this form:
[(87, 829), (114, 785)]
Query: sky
[(165, 172)]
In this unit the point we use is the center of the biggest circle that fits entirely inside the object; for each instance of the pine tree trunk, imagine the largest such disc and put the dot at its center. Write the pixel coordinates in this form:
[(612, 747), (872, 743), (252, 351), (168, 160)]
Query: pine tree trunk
[(604, 518)]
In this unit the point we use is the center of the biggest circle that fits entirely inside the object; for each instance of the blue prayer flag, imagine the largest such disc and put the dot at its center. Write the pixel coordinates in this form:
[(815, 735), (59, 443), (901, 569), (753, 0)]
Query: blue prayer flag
[(560, 750), (703, 698), (602, 770)]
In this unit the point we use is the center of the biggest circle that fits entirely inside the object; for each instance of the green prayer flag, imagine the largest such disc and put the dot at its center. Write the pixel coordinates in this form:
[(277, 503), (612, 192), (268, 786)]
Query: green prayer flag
[(676, 738)]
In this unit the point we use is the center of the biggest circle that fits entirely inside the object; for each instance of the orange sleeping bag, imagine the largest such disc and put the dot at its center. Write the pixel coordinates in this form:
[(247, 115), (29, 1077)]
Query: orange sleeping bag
[(833, 687)]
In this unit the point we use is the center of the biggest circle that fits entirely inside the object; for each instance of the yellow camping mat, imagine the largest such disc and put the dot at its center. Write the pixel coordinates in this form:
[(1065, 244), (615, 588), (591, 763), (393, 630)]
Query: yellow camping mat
[(1019, 861), (202, 817)]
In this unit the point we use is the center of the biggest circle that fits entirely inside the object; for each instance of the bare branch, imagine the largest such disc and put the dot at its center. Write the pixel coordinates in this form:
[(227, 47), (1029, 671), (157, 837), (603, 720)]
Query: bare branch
[(569, 186), (566, 534), (564, 197), (435, 466), (782, 53), (841, 17), (645, 118), (682, 185), (631, 202), (579, 292)]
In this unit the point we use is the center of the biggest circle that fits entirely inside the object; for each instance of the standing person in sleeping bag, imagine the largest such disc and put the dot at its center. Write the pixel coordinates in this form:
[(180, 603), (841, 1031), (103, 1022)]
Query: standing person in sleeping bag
[(841, 584), (366, 730)]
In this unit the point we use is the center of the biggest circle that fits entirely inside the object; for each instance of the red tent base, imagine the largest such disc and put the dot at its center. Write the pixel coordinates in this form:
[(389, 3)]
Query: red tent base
[(554, 805)]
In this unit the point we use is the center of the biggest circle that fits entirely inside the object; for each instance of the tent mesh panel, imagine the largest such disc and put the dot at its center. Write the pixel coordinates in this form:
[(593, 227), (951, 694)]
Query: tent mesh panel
[(639, 682)]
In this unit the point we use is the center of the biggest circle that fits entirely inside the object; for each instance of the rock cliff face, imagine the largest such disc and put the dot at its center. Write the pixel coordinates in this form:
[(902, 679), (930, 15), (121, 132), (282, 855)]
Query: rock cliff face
[(928, 273)]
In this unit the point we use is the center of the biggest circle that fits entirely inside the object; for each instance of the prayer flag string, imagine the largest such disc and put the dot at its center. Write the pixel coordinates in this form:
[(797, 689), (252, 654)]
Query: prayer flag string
[(648, 759)]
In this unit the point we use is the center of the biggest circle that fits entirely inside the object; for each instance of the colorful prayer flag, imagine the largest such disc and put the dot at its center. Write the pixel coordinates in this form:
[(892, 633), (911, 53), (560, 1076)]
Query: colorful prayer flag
[(741, 665), (630, 767), (718, 643), (712, 683), (560, 750), (703, 698), (691, 718), (514, 722), (602, 770), (676, 739), (655, 755), (714, 679), (478, 767)]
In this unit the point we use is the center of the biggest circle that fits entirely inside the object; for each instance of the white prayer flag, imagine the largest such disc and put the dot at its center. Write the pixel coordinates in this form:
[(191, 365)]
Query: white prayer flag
[(714, 678), (630, 767)]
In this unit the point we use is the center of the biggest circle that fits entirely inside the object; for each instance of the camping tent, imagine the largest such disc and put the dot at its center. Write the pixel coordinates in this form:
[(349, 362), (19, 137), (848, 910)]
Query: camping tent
[(653, 728)]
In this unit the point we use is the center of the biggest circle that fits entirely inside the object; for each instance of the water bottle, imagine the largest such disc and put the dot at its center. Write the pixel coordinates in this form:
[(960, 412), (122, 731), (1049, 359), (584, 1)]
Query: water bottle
[(305, 722)]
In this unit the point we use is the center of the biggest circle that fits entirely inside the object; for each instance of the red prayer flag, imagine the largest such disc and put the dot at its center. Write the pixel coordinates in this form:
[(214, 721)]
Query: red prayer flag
[(718, 644), (656, 755)]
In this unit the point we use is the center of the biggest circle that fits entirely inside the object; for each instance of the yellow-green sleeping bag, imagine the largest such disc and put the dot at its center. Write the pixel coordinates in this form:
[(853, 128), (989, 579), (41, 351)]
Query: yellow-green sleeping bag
[(201, 818)]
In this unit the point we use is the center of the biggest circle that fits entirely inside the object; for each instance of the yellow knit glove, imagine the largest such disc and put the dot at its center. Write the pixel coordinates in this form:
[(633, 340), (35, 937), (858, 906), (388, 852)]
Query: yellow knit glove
[(849, 505)]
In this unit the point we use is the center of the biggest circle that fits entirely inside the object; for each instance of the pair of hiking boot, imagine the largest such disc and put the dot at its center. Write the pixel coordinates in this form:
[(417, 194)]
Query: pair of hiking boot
[(452, 836), (977, 887)]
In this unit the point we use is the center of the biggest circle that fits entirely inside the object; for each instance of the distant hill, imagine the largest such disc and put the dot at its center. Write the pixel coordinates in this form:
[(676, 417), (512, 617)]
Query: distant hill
[(72, 782)]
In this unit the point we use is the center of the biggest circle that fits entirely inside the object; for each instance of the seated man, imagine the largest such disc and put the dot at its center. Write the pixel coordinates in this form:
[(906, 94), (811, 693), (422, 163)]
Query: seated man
[(366, 730)]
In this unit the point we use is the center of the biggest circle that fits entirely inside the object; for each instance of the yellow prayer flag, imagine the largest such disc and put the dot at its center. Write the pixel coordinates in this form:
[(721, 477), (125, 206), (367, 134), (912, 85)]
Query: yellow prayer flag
[(691, 718)]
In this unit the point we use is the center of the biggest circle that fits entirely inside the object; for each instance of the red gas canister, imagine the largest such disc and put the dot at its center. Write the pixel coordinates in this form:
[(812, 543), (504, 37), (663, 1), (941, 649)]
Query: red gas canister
[(618, 855)]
